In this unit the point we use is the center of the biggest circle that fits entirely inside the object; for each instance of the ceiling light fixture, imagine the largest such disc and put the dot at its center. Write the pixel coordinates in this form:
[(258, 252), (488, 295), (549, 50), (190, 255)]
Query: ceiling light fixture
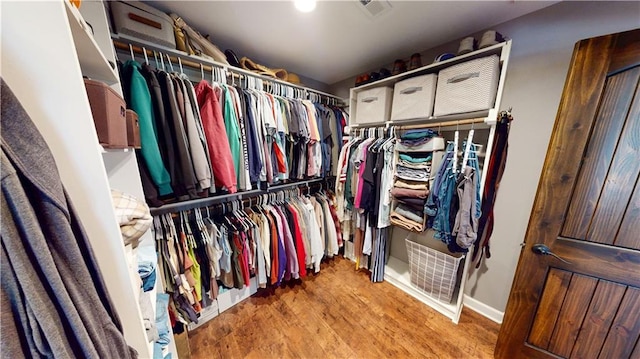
[(305, 5)]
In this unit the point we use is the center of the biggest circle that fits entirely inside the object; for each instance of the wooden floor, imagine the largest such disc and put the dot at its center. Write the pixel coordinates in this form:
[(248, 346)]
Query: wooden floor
[(339, 313)]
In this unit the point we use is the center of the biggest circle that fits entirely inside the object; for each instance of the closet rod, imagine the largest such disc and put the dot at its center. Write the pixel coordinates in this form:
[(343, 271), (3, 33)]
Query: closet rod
[(235, 71), (185, 61), (201, 202), (366, 125), (442, 124), (294, 184), (204, 202), (248, 200)]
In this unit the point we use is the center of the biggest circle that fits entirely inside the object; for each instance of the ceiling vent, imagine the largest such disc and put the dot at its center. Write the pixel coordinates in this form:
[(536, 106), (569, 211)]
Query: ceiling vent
[(374, 8)]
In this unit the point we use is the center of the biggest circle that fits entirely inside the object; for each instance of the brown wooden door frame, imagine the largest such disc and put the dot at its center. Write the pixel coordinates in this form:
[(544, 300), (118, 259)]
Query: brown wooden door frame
[(591, 63)]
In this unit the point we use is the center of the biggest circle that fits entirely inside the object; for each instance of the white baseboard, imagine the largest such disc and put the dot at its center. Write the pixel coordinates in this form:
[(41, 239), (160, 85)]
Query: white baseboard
[(479, 307)]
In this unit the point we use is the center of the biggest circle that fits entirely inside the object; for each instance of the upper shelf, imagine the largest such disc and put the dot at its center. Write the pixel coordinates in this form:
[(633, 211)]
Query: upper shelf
[(93, 63), (205, 61), (435, 67), (488, 116)]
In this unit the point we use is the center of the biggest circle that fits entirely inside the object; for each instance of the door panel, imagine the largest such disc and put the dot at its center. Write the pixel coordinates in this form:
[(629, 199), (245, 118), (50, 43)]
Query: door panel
[(598, 320), (628, 235), (610, 120), (621, 179), (586, 211), (550, 304), (573, 310), (623, 335)]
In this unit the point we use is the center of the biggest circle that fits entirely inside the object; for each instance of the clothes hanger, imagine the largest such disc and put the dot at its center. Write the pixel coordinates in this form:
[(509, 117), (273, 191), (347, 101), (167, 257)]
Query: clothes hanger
[(146, 59), (213, 225), (467, 149), (455, 148), (183, 229), (131, 51), (155, 57), (161, 56), (157, 229), (172, 225), (203, 227), (170, 64), (190, 235), (180, 64), (241, 215)]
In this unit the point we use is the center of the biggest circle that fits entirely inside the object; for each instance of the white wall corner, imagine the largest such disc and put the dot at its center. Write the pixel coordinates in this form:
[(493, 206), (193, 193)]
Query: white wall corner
[(483, 309)]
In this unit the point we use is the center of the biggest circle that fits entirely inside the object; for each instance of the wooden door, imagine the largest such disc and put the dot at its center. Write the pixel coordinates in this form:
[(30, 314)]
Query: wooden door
[(586, 211)]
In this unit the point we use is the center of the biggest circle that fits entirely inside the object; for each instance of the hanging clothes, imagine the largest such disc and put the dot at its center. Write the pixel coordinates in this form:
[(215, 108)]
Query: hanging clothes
[(364, 174), (216, 137), (53, 296), (493, 175), (465, 227), (185, 181), (139, 99), (197, 145), (201, 255)]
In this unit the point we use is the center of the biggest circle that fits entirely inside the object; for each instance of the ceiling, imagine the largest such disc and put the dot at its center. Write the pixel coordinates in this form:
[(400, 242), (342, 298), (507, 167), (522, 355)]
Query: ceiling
[(339, 39)]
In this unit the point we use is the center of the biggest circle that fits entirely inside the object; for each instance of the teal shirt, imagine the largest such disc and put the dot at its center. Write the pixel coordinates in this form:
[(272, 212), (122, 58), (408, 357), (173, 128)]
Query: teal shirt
[(140, 102), (233, 133), (414, 159)]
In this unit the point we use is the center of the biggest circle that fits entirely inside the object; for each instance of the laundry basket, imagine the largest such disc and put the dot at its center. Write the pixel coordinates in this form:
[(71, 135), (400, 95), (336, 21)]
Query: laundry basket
[(432, 271)]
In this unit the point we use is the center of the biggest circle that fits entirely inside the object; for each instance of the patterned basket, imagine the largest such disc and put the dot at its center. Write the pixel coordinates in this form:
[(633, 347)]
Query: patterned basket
[(432, 271)]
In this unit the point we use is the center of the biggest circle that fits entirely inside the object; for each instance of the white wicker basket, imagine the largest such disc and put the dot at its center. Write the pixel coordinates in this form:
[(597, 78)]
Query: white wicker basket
[(432, 271)]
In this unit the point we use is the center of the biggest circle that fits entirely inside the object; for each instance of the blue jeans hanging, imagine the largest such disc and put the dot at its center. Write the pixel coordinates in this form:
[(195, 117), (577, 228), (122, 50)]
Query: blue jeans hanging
[(439, 200)]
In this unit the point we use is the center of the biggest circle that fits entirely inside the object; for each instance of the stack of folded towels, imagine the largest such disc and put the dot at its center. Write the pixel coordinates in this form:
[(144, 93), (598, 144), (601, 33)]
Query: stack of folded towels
[(413, 171)]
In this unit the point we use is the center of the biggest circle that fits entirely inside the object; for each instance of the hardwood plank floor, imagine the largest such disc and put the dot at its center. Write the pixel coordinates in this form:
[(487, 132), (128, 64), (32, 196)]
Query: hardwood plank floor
[(339, 313)]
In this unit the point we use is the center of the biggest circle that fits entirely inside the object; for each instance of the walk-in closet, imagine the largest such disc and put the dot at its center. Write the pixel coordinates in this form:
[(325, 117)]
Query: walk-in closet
[(320, 179)]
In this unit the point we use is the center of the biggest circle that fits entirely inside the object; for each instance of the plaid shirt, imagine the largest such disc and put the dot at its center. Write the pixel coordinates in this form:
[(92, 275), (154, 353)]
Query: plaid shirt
[(132, 215)]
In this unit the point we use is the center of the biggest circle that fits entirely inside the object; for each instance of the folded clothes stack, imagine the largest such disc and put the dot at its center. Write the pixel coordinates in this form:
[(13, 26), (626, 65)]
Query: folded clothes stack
[(401, 221), (413, 193), (414, 168), (411, 187), (417, 137), (414, 161), (400, 183), (413, 174), (416, 204), (420, 140)]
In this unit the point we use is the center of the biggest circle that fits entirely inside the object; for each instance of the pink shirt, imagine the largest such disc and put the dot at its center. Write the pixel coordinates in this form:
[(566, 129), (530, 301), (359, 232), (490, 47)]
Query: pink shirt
[(358, 196)]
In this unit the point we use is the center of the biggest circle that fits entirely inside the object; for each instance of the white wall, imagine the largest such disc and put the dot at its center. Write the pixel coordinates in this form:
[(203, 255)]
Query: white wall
[(542, 47), (40, 65)]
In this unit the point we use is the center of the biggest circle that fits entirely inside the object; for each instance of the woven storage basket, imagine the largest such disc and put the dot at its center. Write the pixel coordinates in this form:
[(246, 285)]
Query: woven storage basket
[(432, 271)]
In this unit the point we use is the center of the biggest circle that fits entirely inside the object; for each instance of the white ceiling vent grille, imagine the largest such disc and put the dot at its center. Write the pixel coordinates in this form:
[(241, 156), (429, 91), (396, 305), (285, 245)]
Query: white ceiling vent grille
[(374, 8)]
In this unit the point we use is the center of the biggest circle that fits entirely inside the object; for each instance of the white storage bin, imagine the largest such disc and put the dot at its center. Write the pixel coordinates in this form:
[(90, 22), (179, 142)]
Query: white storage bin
[(466, 87), (144, 22), (374, 105), (413, 98)]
